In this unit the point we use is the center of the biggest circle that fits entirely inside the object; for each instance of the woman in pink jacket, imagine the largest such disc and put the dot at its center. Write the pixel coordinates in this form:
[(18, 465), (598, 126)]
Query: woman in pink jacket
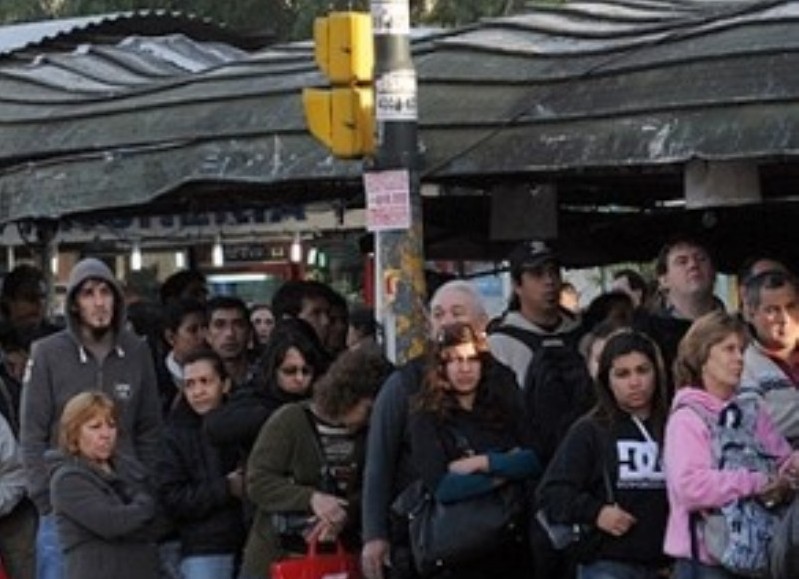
[(707, 372)]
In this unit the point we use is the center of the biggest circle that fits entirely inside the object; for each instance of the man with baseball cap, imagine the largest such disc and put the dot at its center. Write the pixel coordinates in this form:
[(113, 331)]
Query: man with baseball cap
[(538, 340), (534, 305)]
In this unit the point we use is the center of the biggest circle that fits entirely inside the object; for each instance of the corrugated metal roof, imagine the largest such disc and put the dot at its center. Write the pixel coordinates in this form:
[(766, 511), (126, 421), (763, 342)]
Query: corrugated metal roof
[(30, 35), (607, 99)]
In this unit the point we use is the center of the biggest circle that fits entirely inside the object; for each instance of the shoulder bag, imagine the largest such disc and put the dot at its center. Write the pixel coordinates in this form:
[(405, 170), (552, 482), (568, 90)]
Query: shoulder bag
[(580, 541), (443, 535)]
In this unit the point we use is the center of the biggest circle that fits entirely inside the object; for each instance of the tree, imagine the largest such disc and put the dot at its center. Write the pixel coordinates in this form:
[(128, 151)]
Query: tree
[(460, 12), (285, 19)]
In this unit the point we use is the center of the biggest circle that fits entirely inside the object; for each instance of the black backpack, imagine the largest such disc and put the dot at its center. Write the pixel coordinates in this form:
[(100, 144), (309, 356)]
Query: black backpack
[(557, 388)]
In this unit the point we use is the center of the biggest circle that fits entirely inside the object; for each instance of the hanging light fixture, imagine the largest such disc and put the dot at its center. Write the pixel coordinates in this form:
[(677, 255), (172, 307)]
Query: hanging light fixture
[(135, 256), (218, 252), (295, 253), (312, 253), (53, 261), (180, 260)]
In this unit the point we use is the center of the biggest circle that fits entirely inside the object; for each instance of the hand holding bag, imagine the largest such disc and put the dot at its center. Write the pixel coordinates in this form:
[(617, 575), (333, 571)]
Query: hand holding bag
[(317, 565), (447, 534), (579, 541)]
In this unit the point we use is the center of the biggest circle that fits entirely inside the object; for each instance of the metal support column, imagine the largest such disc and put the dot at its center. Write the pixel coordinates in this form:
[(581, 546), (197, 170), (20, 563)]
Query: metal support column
[(399, 271)]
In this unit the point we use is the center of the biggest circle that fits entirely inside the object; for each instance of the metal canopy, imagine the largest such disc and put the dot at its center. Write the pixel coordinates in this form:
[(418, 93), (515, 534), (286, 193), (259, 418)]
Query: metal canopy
[(606, 99)]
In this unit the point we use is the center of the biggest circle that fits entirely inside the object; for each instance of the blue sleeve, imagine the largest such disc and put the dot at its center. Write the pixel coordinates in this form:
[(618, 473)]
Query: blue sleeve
[(456, 487), (513, 465)]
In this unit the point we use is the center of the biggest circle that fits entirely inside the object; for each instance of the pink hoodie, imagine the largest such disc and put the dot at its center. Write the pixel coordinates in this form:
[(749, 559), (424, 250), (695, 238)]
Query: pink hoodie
[(692, 481)]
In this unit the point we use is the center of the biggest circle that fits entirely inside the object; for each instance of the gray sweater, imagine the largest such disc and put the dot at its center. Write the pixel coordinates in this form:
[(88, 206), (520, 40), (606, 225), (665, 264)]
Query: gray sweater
[(781, 398), (103, 520)]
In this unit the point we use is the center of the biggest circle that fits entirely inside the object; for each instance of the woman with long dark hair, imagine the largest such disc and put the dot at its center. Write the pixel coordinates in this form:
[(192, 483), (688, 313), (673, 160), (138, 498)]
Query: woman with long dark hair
[(305, 470), (606, 476), (292, 361), (468, 437)]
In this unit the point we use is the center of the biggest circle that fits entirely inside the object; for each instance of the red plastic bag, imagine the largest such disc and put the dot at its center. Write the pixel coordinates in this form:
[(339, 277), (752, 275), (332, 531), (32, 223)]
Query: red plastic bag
[(3, 574), (316, 565)]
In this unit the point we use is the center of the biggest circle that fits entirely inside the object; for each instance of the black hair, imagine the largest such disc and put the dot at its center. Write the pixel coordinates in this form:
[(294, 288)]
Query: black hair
[(288, 299), (177, 311), (612, 304), (228, 303), (174, 286), (744, 272), (363, 320), (635, 280), (662, 262), (621, 343), (290, 333), (207, 355)]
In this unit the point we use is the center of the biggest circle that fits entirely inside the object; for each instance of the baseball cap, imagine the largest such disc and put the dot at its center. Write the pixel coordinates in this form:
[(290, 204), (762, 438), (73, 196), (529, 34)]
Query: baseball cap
[(529, 255)]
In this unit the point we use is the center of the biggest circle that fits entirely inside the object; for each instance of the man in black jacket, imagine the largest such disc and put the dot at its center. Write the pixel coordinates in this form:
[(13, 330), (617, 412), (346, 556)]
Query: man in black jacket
[(388, 468)]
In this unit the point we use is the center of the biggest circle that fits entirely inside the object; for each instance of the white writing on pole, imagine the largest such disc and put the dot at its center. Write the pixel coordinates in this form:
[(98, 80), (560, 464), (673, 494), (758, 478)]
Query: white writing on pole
[(388, 200), (390, 17), (395, 96)]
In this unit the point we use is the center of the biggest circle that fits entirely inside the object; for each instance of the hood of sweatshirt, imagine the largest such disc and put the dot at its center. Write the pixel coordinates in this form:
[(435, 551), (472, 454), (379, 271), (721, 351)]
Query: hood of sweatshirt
[(91, 268), (698, 397)]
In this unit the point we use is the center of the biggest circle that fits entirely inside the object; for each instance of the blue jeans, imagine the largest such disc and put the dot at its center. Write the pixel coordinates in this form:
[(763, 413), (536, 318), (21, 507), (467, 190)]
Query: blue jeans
[(208, 567), (49, 558), (606, 569), (684, 569), (169, 560)]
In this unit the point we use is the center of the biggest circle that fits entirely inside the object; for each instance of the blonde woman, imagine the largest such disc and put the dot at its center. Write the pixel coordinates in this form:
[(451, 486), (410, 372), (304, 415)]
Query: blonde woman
[(102, 507)]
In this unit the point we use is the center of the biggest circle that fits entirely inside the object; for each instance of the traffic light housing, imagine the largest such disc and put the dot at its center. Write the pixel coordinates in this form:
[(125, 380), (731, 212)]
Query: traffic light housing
[(342, 117)]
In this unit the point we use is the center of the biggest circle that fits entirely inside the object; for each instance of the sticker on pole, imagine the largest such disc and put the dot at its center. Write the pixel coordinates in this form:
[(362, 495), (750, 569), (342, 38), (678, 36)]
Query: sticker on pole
[(388, 200), (390, 17), (395, 96)]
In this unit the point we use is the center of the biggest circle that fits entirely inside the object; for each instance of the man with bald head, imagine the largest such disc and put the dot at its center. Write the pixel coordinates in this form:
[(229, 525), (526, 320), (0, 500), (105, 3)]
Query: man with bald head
[(388, 468)]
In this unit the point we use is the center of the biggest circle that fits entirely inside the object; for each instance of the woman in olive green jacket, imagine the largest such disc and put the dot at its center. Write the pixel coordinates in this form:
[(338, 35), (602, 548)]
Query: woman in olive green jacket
[(307, 462)]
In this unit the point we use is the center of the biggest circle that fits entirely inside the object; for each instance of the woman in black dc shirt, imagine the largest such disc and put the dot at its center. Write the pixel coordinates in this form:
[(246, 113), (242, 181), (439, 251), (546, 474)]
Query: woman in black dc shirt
[(617, 444)]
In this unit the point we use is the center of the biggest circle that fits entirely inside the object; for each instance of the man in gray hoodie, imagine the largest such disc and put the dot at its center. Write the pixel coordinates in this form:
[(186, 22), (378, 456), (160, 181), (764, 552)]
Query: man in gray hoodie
[(94, 352)]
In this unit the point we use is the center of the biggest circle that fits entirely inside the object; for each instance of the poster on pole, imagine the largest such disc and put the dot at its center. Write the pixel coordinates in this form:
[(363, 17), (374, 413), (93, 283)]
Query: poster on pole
[(388, 200)]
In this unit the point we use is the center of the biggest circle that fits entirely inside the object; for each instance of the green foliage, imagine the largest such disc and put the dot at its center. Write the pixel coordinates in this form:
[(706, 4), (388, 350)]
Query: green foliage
[(286, 19), (460, 12)]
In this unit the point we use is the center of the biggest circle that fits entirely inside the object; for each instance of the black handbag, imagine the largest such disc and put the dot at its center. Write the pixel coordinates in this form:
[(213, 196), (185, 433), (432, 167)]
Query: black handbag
[(579, 541), (450, 534)]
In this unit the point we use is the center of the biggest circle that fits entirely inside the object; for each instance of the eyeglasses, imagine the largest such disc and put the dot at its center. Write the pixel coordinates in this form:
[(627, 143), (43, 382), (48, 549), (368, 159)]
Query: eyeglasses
[(294, 370)]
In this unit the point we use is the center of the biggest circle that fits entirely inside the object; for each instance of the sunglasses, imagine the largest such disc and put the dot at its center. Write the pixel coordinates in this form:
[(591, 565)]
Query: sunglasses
[(294, 370)]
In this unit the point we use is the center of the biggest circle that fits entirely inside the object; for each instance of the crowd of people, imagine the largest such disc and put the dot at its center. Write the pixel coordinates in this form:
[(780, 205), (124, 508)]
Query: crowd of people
[(210, 438)]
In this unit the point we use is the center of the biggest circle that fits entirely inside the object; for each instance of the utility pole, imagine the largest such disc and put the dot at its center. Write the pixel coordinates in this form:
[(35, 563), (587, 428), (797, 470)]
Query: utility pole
[(393, 188)]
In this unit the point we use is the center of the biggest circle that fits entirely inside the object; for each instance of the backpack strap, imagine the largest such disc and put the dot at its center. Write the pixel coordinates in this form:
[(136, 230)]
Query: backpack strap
[(530, 339), (694, 516)]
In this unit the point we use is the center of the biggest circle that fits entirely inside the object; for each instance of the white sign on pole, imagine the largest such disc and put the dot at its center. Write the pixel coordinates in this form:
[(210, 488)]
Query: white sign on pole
[(395, 96), (388, 200), (390, 17)]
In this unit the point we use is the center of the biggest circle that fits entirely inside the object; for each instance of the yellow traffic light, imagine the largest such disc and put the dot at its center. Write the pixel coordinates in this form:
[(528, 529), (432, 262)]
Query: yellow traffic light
[(342, 118)]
